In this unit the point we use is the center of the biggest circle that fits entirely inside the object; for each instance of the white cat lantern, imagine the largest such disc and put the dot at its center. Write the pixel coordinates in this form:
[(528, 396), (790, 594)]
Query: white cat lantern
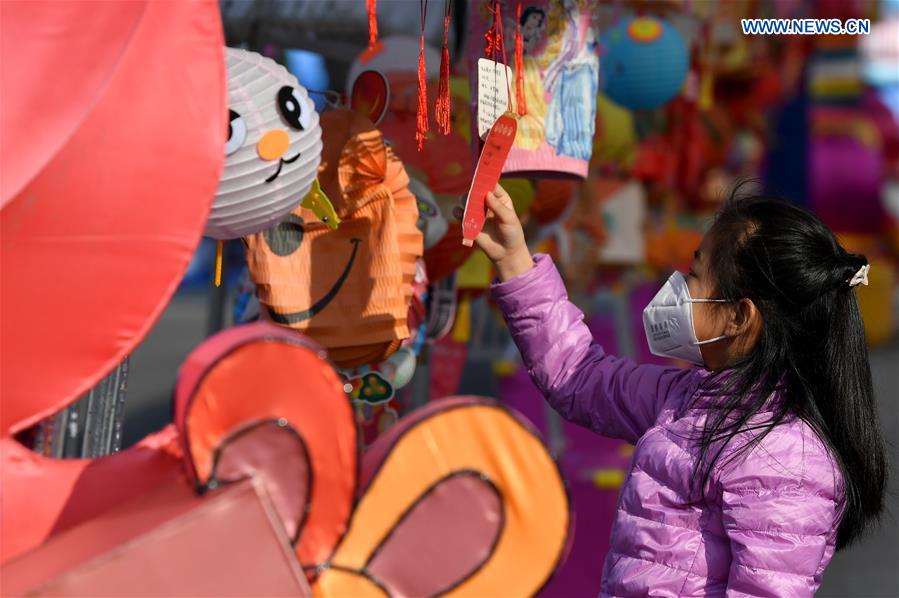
[(273, 149)]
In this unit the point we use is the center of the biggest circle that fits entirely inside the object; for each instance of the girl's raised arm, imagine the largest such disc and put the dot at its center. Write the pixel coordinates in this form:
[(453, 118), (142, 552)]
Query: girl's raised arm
[(611, 395)]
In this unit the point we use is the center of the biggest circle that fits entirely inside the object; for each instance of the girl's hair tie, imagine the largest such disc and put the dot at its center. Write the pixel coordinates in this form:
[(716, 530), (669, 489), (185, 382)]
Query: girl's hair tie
[(860, 277)]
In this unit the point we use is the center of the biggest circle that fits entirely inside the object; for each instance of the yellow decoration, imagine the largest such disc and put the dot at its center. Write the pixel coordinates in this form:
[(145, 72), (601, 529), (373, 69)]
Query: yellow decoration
[(321, 206), (608, 479), (462, 325), (616, 134), (218, 262), (476, 272), (522, 193)]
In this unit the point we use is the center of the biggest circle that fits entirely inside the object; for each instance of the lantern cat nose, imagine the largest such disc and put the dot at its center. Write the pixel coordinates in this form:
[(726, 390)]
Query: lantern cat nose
[(273, 144)]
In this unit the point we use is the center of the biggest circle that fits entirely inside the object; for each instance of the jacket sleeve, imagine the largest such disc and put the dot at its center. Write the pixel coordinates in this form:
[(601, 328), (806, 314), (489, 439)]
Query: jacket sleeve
[(610, 395), (780, 514)]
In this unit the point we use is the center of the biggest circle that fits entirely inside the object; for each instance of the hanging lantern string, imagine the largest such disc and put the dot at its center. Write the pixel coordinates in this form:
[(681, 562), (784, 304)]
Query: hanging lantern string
[(372, 8), (218, 263), (332, 98), (501, 43), (519, 66), (423, 127), (443, 92)]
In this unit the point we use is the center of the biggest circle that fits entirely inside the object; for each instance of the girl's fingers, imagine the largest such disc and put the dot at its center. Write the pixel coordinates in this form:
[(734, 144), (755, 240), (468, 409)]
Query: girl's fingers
[(503, 195), (504, 212)]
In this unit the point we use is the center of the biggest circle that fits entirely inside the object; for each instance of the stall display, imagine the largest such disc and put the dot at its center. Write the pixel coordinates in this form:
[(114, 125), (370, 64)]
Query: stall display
[(338, 430)]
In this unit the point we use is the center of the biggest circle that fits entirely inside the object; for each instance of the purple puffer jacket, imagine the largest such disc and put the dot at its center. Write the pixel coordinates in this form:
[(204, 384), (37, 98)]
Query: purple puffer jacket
[(767, 521)]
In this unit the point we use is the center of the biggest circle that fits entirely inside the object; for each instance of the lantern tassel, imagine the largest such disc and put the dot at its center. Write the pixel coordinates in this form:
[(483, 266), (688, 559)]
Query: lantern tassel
[(218, 263), (421, 132), (519, 68), (372, 8), (443, 93)]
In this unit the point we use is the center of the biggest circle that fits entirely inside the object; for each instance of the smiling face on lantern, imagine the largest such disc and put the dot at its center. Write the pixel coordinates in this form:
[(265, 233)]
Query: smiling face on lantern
[(273, 148), (349, 287)]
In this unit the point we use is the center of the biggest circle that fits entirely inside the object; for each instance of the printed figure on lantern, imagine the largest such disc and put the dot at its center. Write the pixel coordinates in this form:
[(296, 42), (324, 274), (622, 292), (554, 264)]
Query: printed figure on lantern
[(559, 75), (571, 81), (531, 127)]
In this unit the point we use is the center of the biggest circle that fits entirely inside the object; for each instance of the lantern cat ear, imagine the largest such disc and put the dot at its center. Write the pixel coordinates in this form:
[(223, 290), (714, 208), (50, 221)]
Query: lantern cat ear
[(240, 412), (460, 497), (319, 204)]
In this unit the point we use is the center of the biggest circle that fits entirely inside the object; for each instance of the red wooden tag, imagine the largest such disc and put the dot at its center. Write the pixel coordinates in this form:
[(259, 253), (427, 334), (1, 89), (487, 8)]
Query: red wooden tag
[(486, 175)]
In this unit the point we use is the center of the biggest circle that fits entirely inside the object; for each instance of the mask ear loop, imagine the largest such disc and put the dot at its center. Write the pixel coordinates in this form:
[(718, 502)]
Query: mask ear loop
[(710, 340)]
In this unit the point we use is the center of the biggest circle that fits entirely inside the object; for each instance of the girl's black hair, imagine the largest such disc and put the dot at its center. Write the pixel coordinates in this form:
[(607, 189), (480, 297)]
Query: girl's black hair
[(531, 10), (811, 351)]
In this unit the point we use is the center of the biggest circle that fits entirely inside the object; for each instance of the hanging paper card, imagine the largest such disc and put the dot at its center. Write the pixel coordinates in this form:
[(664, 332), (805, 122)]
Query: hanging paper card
[(486, 175), (560, 67), (493, 93)]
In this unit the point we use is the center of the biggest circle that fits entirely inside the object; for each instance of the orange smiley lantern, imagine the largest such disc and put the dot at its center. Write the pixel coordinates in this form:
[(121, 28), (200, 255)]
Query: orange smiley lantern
[(347, 288)]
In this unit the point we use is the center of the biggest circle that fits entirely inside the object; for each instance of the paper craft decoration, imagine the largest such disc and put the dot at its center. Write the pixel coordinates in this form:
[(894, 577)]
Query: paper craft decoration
[(104, 195), (273, 147), (486, 175), (238, 413), (349, 289), (560, 66), (459, 498), (645, 63), (168, 542)]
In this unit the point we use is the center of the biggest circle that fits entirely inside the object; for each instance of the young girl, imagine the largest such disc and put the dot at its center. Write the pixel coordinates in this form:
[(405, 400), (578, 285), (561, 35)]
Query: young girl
[(750, 470)]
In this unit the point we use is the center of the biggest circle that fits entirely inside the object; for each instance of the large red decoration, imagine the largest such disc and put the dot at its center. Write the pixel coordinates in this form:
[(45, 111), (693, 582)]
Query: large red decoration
[(113, 127)]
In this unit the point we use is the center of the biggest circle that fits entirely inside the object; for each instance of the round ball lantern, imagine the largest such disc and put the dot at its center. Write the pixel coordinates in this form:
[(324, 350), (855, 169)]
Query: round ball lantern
[(645, 64), (273, 148)]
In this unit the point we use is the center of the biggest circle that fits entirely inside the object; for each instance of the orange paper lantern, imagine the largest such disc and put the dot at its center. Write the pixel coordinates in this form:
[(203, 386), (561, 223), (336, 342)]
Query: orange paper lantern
[(349, 288)]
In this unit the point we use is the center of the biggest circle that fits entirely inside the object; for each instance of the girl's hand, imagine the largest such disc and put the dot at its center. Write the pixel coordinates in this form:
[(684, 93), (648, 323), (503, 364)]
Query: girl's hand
[(502, 238)]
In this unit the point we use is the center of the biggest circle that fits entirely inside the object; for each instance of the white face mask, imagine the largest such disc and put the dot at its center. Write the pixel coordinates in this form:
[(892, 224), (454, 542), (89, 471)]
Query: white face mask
[(668, 320)]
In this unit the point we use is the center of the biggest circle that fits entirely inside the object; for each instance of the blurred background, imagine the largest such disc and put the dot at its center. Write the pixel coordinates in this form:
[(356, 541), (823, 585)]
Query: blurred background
[(810, 118)]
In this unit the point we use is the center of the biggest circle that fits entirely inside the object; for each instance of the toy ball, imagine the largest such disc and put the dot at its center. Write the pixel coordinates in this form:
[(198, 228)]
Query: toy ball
[(273, 148), (645, 64)]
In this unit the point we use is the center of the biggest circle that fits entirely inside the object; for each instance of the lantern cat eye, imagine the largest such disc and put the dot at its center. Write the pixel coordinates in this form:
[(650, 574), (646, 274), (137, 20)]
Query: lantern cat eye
[(295, 111), (237, 132)]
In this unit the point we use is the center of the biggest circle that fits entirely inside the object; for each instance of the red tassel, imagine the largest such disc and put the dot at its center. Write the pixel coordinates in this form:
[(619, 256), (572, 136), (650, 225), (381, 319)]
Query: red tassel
[(490, 39), (372, 8), (519, 67), (421, 132), (443, 93)]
